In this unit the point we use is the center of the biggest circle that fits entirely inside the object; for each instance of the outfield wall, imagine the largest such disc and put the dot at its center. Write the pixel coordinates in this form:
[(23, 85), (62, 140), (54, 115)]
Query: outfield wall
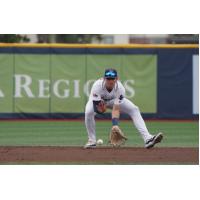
[(54, 81)]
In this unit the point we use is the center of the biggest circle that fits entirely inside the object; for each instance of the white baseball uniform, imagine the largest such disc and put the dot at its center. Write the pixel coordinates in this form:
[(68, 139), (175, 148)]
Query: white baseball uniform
[(117, 95)]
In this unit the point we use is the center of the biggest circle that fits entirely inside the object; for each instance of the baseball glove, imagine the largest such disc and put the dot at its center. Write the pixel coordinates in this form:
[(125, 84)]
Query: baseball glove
[(117, 137)]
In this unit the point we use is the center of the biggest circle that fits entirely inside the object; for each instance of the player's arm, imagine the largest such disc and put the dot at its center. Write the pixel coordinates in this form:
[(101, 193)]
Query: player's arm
[(116, 111), (115, 114), (99, 106), (116, 106), (117, 137)]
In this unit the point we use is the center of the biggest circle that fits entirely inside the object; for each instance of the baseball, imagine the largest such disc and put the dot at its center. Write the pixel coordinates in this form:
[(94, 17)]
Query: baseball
[(99, 141)]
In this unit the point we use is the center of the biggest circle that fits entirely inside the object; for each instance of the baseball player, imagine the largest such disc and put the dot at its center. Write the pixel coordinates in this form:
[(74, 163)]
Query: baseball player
[(108, 92)]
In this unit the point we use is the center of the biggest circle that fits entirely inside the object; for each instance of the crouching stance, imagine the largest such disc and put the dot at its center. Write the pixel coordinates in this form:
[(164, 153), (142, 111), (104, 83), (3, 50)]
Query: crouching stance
[(108, 92)]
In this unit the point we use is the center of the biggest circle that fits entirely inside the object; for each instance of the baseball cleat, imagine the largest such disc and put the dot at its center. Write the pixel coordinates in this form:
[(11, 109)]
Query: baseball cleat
[(152, 141), (90, 145)]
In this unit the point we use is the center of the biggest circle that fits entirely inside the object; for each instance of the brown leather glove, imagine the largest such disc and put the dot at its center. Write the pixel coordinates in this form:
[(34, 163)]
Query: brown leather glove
[(117, 137)]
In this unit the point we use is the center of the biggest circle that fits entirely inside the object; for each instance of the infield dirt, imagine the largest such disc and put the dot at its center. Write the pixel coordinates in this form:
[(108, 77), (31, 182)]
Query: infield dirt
[(99, 155)]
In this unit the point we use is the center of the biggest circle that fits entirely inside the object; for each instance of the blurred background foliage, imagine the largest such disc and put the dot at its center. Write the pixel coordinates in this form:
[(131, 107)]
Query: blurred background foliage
[(102, 38)]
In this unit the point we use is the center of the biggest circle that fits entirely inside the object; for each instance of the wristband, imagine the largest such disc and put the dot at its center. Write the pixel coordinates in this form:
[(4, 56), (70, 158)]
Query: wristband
[(115, 121)]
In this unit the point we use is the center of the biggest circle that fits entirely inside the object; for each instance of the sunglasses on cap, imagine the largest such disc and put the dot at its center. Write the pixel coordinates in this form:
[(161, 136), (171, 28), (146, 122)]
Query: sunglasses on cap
[(110, 74)]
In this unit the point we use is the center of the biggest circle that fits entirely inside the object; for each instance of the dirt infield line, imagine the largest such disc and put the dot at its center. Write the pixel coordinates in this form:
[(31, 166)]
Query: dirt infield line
[(101, 155)]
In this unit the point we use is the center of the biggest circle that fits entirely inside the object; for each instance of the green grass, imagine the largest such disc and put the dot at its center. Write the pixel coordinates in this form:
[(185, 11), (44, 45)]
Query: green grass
[(73, 133)]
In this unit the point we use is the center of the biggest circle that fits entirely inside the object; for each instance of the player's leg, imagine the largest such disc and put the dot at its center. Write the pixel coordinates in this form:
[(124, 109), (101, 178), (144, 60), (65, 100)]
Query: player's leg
[(90, 124), (133, 111)]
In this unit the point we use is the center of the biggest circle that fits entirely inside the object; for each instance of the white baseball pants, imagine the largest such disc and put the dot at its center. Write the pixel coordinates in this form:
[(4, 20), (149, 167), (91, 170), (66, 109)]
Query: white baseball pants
[(126, 106)]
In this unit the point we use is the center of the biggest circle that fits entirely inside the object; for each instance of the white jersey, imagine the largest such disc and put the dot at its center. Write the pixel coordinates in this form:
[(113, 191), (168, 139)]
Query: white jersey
[(99, 91)]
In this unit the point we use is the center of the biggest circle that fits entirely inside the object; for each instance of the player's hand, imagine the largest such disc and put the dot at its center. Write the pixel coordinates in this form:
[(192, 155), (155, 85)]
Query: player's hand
[(101, 107), (115, 128)]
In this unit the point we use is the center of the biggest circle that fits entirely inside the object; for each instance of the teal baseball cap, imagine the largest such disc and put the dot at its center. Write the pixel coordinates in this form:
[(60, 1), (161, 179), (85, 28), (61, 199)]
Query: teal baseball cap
[(110, 73)]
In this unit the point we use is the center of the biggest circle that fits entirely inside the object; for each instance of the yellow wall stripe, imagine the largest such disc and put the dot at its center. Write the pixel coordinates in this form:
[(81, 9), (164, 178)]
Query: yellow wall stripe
[(56, 45)]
